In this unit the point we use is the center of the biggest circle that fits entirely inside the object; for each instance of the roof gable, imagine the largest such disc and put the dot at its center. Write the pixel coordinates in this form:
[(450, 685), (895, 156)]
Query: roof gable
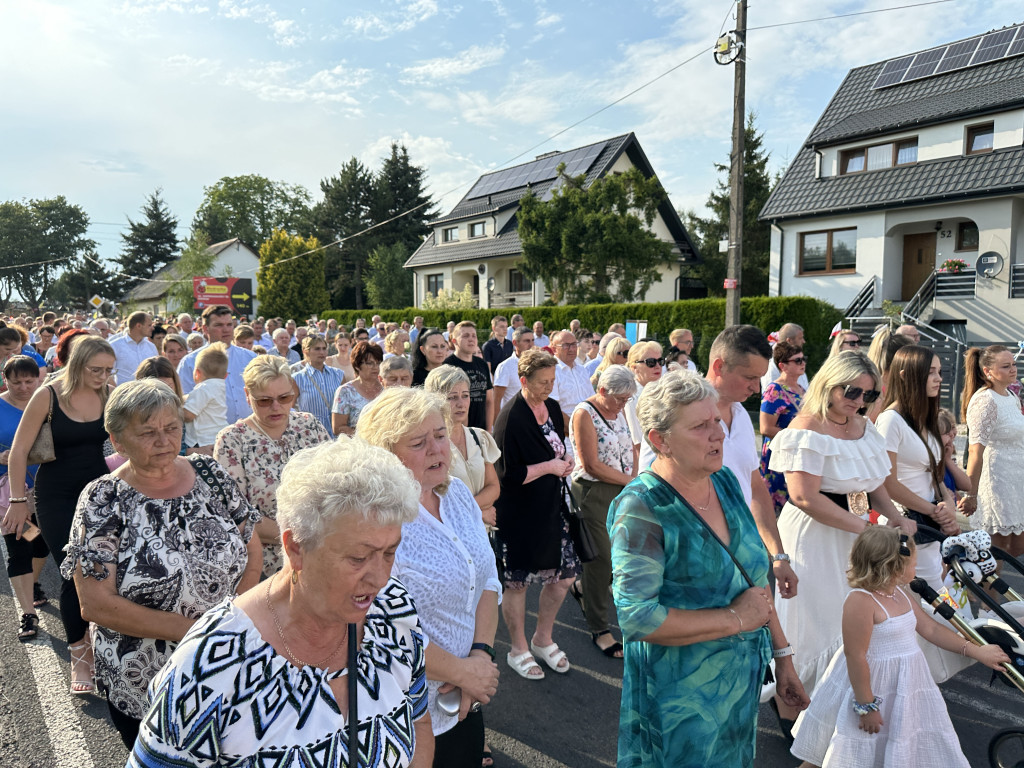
[(500, 190)]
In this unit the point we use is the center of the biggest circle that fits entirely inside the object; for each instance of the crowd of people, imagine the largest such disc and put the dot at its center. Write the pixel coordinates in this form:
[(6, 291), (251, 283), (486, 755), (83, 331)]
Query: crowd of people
[(222, 495)]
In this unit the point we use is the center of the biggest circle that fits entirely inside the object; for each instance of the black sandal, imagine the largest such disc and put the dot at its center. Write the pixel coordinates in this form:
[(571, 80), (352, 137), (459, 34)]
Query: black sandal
[(612, 649), (577, 594), (29, 627), (488, 759), (786, 726), (39, 598)]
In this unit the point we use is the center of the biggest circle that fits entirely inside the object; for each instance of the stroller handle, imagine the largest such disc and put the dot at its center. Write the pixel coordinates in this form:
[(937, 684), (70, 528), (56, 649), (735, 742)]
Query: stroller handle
[(930, 596)]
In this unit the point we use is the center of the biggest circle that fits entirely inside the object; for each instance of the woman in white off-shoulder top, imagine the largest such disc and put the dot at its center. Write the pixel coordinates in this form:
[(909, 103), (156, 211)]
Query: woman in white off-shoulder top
[(835, 464)]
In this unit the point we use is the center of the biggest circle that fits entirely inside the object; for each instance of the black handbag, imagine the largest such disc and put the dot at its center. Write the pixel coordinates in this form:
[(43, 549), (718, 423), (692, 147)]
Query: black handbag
[(582, 540)]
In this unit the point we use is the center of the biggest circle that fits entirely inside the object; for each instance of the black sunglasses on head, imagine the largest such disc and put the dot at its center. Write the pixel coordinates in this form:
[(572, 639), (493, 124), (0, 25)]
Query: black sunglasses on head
[(852, 393), (653, 362)]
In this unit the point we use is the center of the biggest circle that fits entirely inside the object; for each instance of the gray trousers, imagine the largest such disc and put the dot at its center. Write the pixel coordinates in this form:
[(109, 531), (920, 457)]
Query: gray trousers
[(593, 499)]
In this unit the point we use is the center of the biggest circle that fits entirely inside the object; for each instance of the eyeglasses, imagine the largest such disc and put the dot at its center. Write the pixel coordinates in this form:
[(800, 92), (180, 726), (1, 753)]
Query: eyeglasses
[(623, 354), (852, 393), (266, 402), (796, 360), (653, 362), (851, 343), (574, 345), (97, 371)]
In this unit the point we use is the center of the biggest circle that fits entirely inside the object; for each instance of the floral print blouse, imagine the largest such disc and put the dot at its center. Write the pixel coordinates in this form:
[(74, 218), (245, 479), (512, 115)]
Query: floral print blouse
[(255, 463), (182, 555)]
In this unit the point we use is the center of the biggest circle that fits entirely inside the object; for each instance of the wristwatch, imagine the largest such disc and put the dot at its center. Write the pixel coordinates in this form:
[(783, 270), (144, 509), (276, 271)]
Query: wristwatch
[(781, 557), (483, 647)]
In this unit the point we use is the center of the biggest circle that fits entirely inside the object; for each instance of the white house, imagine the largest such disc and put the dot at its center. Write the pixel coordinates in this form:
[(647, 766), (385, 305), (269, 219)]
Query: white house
[(478, 240), (916, 160), (233, 259)]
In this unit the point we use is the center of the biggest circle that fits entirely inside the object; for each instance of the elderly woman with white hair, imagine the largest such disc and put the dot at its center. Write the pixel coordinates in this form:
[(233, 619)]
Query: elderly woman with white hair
[(446, 563), (254, 450), (154, 545), (266, 678), (645, 361), (605, 463), (690, 580)]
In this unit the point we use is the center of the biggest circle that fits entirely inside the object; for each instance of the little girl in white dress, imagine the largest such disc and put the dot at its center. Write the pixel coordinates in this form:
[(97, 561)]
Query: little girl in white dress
[(877, 704)]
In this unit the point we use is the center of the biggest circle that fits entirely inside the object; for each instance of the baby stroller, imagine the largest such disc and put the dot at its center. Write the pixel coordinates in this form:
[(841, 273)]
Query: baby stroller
[(973, 562)]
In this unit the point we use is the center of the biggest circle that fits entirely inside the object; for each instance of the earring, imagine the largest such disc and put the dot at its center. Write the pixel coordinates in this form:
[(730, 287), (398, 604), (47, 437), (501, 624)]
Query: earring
[(295, 577)]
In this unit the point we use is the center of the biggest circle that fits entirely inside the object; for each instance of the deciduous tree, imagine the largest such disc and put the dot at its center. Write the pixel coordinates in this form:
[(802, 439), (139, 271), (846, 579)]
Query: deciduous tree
[(196, 260), (85, 278), (149, 244), (709, 232), (388, 284), (593, 243), (289, 286), (250, 208)]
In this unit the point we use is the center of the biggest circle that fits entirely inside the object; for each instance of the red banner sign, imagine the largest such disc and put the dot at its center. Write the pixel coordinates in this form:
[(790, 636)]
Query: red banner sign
[(233, 292)]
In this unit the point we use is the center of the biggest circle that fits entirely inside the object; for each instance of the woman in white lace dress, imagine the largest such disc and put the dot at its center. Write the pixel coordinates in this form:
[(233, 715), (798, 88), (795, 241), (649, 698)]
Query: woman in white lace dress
[(996, 452), (835, 461)]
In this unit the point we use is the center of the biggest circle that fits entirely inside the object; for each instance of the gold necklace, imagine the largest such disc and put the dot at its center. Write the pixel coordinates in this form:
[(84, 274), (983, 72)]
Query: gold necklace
[(287, 649), (707, 504)]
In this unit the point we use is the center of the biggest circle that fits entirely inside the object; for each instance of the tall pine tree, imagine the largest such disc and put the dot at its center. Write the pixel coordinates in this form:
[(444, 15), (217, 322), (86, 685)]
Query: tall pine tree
[(149, 244), (757, 185)]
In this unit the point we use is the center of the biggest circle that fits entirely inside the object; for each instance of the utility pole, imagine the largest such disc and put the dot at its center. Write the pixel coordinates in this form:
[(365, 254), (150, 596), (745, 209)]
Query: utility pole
[(733, 282)]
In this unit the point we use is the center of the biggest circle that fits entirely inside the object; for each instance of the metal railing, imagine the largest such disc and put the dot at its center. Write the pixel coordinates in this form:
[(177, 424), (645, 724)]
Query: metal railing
[(922, 300), (1017, 281), (864, 300), (956, 285)]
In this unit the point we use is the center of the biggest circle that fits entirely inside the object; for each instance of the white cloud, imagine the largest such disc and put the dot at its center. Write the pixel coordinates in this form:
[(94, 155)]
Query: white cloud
[(468, 61), (548, 19), (282, 81), (381, 26), (143, 7)]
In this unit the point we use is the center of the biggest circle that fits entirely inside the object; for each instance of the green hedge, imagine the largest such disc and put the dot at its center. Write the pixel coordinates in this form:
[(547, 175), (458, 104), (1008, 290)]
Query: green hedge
[(705, 317)]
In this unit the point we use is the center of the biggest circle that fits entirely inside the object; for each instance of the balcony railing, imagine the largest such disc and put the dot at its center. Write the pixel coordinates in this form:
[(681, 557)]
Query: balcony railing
[(1017, 281), (955, 285)]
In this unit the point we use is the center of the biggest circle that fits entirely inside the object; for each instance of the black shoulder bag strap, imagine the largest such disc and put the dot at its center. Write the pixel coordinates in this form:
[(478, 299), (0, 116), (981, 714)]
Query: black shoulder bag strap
[(594, 409), (205, 471)]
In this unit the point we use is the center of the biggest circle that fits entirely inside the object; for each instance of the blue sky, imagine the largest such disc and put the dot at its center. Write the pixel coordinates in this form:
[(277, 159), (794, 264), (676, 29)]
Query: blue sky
[(106, 100)]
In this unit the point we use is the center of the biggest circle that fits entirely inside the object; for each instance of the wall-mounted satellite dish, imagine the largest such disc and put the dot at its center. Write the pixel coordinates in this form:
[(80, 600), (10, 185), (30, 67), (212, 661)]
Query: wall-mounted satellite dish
[(990, 264)]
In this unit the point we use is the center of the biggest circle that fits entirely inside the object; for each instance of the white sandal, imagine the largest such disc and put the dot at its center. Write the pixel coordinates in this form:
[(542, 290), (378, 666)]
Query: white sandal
[(523, 664), (78, 653), (551, 655)]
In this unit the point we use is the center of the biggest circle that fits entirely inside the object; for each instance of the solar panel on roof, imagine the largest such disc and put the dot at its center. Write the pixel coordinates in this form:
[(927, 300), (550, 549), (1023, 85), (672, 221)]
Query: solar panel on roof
[(993, 46), (893, 72), (958, 55), (1017, 47), (924, 64)]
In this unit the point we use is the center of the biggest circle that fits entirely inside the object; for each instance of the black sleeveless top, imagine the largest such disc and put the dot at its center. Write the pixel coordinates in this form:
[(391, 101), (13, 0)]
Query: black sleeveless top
[(78, 447)]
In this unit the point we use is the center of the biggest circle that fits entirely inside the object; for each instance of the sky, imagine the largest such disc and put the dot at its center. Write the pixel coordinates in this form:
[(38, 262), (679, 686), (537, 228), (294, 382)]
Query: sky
[(104, 101)]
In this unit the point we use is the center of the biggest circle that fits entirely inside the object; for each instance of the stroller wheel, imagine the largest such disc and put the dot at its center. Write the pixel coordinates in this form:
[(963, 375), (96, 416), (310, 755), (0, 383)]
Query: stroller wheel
[(1006, 749)]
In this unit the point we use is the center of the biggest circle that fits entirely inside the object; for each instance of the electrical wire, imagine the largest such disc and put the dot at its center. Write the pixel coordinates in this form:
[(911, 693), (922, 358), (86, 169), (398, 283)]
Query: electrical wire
[(847, 15)]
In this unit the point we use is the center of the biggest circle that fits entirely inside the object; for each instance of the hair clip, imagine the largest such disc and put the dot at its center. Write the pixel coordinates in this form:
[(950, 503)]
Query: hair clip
[(904, 548)]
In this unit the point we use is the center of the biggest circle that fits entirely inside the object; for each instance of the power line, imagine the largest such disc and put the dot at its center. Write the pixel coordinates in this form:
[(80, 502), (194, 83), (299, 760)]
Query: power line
[(847, 15)]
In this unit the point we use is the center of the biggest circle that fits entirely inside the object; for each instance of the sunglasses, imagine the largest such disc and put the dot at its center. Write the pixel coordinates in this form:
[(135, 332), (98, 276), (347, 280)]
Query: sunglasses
[(796, 360), (852, 393), (266, 402), (851, 343), (653, 362)]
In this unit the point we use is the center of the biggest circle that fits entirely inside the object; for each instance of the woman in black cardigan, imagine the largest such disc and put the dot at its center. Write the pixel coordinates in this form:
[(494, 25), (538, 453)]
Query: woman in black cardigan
[(533, 529)]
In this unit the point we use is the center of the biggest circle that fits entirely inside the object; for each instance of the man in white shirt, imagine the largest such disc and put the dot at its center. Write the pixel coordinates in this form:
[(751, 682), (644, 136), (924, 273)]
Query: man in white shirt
[(186, 324), (682, 339), (794, 334), (506, 375), (219, 326), (134, 347), (374, 322), (539, 339), (739, 357), (572, 384), (102, 327)]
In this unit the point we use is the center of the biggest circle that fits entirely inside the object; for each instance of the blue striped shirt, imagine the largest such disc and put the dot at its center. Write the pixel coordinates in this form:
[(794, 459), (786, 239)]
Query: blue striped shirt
[(316, 391)]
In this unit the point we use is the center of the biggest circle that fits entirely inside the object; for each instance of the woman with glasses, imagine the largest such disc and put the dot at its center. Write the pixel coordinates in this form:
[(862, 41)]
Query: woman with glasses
[(779, 403), (352, 396), (843, 341), (835, 464), (616, 352), (73, 403), (255, 449)]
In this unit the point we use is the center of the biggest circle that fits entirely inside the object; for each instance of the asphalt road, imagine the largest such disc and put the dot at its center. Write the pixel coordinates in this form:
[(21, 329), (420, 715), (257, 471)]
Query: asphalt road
[(562, 721)]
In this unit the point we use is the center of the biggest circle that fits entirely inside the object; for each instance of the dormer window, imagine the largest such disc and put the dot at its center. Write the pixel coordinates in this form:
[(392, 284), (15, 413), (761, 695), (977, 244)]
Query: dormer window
[(450, 235), (878, 156), (477, 229), (980, 139)]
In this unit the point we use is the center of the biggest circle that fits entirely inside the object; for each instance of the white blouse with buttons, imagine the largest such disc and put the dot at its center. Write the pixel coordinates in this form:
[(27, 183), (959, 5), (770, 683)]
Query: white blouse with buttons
[(446, 566)]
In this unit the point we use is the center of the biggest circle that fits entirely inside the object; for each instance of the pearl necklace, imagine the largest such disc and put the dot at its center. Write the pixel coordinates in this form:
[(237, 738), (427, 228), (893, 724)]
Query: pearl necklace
[(891, 596), (287, 649)]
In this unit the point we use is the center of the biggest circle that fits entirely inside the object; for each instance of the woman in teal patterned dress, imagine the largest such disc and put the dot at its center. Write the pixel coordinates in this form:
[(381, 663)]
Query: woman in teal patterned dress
[(698, 635)]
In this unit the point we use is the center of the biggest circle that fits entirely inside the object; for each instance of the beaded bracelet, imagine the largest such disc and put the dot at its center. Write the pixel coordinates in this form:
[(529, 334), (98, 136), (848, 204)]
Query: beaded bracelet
[(866, 709), (18, 500), (730, 610)]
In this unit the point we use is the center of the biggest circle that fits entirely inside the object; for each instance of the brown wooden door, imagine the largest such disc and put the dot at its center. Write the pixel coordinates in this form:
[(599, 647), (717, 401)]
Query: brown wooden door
[(918, 262)]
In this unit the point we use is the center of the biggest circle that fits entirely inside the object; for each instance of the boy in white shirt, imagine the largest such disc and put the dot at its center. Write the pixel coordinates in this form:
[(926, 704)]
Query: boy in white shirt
[(206, 407)]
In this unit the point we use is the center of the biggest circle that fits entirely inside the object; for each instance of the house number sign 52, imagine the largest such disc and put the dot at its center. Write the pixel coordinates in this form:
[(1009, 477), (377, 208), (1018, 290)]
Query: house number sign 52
[(945, 234)]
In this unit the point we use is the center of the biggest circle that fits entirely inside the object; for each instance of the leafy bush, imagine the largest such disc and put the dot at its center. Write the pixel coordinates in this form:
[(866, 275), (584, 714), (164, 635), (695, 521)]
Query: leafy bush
[(705, 317)]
